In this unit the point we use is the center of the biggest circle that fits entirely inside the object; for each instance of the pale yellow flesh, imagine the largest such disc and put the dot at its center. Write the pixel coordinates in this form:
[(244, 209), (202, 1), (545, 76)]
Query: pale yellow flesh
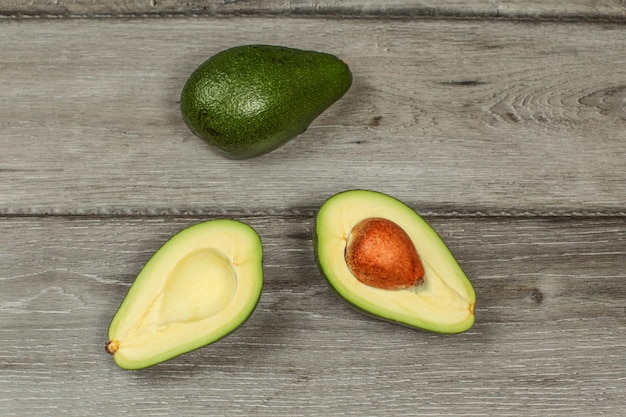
[(201, 285), (443, 303)]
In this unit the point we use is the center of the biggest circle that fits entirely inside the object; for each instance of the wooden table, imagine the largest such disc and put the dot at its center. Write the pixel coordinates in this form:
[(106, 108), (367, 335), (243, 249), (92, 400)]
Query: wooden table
[(502, 122)]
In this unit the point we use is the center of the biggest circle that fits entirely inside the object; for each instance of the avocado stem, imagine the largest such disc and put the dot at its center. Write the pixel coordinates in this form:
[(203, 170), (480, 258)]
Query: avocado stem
[(112, 346)]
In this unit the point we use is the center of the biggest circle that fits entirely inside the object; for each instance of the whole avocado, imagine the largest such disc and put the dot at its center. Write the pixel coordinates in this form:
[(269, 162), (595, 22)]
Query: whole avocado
[(249, 100)]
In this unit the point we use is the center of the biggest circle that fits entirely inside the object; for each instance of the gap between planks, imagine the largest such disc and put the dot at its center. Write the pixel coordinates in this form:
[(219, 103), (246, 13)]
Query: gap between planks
[(308, 213)]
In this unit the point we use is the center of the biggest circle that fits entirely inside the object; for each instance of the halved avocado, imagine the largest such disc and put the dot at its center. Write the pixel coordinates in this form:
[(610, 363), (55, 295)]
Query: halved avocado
[(439, 298), (201, 285)]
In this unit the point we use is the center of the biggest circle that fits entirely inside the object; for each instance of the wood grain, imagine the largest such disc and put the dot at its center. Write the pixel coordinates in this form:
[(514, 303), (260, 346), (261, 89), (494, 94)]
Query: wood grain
[(502, 122), (550, 337), (479, 117), (582, 10)]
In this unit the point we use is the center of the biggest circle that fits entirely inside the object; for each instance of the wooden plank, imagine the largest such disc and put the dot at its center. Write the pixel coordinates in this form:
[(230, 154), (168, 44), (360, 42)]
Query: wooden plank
[(494, 118), (550, 337), (608, 10)]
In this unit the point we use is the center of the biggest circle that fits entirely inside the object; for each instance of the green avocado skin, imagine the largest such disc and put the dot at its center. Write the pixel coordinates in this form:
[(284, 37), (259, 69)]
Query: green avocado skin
[(251, 99)]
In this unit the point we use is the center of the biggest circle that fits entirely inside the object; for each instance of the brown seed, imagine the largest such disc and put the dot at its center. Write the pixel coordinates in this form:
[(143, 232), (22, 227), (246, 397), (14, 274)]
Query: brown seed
[(380, 254)]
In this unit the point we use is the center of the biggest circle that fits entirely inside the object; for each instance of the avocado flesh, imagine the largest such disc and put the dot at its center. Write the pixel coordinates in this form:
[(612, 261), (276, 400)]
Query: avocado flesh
[(249, 100), (201, 285), (443, 303)]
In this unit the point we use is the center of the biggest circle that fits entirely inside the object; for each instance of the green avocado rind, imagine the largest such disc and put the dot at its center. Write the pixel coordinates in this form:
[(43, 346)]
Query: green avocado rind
[(142, 281), (369, 307), (249, 100)]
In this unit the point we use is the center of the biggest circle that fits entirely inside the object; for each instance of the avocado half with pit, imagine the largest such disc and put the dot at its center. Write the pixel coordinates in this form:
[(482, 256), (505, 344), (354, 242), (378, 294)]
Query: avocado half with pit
[(384, 259), (201, 285)]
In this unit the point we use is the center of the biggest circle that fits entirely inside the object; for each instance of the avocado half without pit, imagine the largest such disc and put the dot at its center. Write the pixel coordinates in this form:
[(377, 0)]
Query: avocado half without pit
[(384, 259), (201, 285)]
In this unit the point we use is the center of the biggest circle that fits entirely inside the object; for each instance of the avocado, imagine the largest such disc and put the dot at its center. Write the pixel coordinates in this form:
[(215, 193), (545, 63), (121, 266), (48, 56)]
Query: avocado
[(201, 285), (384, 259), (251, 99)]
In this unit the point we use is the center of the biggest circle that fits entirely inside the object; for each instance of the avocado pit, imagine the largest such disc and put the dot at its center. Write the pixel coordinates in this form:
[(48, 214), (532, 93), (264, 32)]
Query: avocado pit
[(379, 253)]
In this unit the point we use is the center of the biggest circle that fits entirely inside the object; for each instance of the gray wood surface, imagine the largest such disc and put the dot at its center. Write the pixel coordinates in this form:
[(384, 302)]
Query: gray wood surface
[(550, 335), (483, 116), (503, 123), (583, 10)]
